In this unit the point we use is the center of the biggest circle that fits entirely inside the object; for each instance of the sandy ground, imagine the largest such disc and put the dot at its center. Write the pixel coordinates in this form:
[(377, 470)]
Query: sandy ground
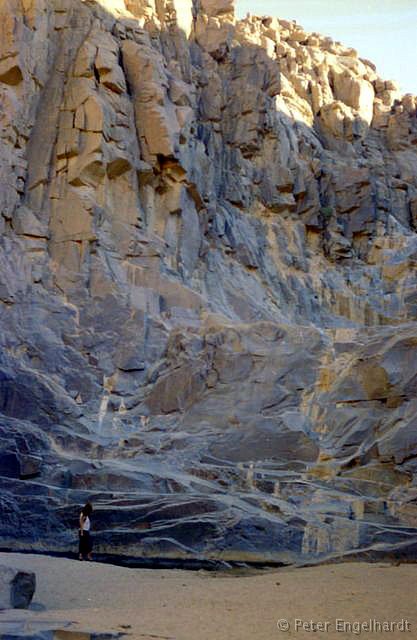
[(185, 605)]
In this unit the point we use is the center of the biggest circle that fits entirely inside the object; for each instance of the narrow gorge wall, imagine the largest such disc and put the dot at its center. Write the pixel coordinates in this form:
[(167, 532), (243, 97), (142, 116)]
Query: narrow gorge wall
[(207, 286)]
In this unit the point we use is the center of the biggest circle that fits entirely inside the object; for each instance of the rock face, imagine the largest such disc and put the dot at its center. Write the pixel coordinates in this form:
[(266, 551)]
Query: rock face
[(208, 286), (16, 588)]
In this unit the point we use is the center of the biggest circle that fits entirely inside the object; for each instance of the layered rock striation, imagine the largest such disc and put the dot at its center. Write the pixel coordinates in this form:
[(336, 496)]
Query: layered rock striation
[(207, 286)]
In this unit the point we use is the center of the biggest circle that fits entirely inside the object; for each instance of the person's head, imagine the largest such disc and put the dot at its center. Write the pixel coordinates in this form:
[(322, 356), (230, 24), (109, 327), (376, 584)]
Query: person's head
[(87, 510)]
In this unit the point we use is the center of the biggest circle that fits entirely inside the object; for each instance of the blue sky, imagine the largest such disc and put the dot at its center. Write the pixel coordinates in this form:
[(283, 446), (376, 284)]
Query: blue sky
[(384, 31)]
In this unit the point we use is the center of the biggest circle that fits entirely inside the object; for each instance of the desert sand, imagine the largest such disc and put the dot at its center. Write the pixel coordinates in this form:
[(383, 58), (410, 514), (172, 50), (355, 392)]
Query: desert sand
[(184, 605)]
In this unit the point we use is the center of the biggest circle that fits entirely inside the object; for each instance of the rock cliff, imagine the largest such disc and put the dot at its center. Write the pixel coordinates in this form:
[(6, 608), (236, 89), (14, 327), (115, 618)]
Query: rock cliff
[(207, 286)]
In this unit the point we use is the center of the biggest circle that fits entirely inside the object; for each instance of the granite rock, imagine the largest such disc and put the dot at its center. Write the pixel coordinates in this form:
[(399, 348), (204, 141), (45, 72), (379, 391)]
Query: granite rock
[(207, 286)]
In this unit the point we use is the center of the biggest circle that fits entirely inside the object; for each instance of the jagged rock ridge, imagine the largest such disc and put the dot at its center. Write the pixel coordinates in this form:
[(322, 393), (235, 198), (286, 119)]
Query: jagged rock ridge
[(208, 285)]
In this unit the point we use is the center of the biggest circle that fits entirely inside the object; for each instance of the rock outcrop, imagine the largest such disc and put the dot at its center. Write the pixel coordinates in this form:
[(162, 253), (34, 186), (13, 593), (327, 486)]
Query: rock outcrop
[(208, 286), (16, 588)]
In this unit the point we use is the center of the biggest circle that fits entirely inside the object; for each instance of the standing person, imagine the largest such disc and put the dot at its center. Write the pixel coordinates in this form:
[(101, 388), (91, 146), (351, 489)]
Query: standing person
[(85, 543)]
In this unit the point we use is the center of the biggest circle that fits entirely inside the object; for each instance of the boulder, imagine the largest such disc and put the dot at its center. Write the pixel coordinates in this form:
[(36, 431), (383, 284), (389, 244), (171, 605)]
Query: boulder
[(16, 588)]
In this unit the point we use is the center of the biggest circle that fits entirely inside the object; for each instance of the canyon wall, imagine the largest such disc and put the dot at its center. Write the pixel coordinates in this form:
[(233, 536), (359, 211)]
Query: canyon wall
[(207, 286)]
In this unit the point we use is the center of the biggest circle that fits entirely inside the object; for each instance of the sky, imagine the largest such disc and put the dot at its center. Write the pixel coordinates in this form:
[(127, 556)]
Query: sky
[(383, 31)]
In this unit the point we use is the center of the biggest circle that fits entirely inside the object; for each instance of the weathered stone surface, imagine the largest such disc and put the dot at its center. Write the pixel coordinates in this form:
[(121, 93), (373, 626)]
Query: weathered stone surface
[(41, 629), (207, 286), (16, 588)]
